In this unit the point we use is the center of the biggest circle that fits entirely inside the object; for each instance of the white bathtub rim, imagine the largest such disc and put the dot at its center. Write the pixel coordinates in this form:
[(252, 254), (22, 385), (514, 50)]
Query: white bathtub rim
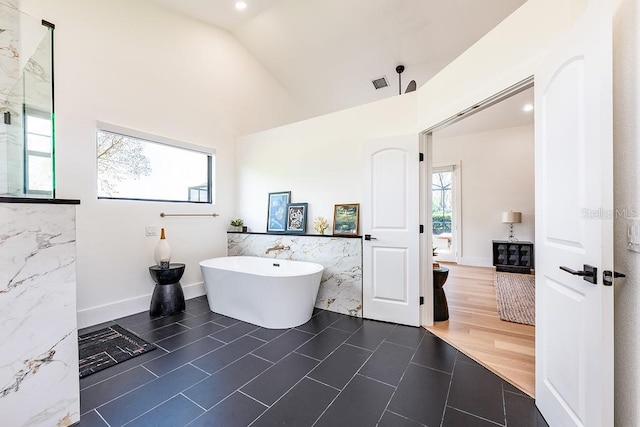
[(278, 267)]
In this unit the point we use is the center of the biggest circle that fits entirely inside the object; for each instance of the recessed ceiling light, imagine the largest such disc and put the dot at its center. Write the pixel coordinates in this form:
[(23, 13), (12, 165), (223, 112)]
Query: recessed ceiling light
[(240, 5), (528, 107)]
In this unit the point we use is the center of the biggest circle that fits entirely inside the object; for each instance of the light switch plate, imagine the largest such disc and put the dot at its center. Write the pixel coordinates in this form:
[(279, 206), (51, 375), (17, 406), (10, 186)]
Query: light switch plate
[(151, 230)]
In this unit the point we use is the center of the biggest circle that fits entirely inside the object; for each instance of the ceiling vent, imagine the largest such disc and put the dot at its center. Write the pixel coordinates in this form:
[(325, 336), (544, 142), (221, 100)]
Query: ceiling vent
[(380, 82)]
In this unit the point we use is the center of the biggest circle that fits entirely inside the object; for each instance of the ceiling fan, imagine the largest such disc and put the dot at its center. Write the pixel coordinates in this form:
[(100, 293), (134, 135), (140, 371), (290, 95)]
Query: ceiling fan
[(410, 87)]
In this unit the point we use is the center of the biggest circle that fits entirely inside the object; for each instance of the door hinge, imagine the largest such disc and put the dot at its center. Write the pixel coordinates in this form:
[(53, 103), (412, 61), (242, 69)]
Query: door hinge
[(421, 157), (7, 117), (421, 228), (421, 300)]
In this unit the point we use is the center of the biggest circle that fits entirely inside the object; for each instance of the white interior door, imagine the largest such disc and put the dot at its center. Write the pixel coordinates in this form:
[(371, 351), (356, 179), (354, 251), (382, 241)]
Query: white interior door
[(390, 216), (574, 200)]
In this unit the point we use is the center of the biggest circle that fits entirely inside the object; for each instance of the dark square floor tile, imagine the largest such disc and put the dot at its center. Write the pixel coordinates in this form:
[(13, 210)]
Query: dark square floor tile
[(421, 395), (224, 382), (348, 323), (189, 336), (508, 387), (463, 358), (178, 411), (455, 418), (107, 390), (158, 322), (162, 333), (477, 391), (135, 319), (227, 354), (371, 334), (388, 363), (225, 321), (522, 412), (234, 332), (389, 419), (435, 353), (92, 419), (237, 410), (300, 407), (119, 368), (283, 345), (324, 343), (182, 356), (320, 321), (196, 306), (278, 379), (193, 321), (133, 404), (361, 403), (267, 334), (337, 369), (406, 335)]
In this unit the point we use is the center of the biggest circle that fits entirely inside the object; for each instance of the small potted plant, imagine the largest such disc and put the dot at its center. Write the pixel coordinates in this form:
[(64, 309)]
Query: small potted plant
[(237, 224)]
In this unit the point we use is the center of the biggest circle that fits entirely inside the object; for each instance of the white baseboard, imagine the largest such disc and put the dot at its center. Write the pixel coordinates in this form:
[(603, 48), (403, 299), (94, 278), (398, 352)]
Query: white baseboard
[(475, 261), (104, 313)]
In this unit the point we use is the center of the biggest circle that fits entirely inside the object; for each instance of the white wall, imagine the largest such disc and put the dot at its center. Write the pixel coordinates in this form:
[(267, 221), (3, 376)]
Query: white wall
[(132, 64), (320, 160), (626, 139), (496, 175)]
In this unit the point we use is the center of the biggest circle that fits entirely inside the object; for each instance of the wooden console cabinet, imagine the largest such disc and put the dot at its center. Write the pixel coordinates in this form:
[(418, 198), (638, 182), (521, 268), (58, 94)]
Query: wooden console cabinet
[(513, 257)]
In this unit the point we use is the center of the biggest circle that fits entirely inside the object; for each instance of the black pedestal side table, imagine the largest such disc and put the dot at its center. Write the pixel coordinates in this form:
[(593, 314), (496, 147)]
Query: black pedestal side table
[(440, 306), (167, 295)]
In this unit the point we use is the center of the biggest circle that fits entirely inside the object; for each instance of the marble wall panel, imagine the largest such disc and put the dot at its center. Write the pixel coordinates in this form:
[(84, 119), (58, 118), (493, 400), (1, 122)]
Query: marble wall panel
[(341, 284), (39, 383)]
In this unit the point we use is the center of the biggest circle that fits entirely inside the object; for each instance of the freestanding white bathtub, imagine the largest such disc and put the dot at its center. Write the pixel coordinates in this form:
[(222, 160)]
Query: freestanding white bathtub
[(267, 292)]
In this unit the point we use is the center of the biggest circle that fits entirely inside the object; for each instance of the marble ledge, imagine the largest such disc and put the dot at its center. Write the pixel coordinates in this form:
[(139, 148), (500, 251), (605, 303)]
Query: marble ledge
[(341, 236), (36, 201)]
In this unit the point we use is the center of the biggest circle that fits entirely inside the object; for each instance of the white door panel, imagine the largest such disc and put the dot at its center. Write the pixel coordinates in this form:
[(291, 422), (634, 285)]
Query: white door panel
[(574, 191), (390, 215)]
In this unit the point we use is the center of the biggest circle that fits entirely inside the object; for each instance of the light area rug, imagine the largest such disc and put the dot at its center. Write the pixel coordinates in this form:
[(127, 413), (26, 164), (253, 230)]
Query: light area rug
[(516, 297)]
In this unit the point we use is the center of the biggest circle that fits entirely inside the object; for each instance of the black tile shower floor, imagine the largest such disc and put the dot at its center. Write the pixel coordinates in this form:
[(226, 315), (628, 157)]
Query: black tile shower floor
[(335, 370)]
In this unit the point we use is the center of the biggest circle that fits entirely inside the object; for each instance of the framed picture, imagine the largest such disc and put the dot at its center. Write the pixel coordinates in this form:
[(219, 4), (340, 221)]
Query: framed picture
[(277, 211), (297, 218), (345, 219)]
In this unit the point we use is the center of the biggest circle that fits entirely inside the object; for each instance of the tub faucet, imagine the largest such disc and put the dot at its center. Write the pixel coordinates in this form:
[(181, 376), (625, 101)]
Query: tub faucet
[(278, 248)]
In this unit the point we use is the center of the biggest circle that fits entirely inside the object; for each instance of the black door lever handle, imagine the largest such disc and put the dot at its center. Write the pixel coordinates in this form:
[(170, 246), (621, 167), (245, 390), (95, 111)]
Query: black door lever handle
[(576, 272), (588, 273)]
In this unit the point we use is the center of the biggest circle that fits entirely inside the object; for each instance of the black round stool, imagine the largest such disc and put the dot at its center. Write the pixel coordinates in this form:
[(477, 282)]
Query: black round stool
[(440, 306), (168, 297)]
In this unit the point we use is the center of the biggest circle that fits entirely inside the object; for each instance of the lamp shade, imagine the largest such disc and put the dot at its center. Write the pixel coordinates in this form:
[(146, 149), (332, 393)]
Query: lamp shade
[(512, 217)]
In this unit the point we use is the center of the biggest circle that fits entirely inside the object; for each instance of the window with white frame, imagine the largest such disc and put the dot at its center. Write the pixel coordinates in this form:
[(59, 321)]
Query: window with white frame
[(38, 176), (138, 167)]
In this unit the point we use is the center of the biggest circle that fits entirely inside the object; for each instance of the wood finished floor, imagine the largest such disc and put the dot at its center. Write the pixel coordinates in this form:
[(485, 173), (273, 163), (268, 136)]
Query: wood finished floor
[(474, 328)]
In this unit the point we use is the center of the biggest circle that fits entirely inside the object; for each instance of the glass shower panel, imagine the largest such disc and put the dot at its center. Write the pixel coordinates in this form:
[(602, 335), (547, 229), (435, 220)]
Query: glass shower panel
[(27, 166)]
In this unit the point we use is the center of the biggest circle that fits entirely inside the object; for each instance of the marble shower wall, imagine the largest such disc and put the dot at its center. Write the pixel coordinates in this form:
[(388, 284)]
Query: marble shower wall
[(39, 383), (341, 284)]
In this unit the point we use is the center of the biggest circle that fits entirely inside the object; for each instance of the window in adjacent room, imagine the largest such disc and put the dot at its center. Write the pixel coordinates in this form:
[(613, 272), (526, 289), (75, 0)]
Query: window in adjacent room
[(138, 167), (38, 177), (444, 212)]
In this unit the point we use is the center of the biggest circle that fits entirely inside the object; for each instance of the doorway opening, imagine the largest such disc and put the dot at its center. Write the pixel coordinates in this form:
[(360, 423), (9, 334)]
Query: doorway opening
[(481, 165)]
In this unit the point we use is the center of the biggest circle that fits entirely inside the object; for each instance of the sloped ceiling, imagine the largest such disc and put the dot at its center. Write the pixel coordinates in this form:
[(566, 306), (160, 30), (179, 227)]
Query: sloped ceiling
[(326, 52)]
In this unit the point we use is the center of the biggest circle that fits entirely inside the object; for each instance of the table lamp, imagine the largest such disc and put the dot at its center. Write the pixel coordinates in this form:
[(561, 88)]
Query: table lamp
[(511, 218)]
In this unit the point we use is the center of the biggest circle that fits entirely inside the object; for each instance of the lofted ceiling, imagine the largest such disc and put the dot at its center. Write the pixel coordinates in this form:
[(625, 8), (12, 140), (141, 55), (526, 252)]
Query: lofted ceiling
[(326, 52)]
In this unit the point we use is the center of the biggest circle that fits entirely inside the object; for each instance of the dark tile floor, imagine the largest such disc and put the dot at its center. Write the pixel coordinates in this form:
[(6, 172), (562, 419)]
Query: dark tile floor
[(335, 370)]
